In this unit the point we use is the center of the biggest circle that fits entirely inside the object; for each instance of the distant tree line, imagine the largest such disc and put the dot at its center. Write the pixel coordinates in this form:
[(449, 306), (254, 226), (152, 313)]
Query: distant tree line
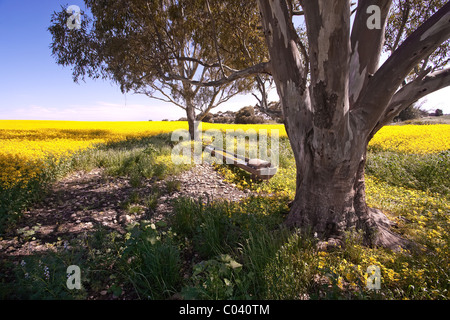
[(246, 115), (415, 111)]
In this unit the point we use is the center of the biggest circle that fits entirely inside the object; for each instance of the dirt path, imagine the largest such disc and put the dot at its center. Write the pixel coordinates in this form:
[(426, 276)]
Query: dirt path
[(83, 200)]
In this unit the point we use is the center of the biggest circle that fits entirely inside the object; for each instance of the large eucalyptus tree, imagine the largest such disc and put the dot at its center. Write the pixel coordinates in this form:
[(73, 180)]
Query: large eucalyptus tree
[(337, 95), (335, 89)]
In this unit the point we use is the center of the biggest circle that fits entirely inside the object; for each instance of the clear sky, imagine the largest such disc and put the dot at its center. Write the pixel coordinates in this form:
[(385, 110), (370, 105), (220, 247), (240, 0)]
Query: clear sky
[(33, 86)]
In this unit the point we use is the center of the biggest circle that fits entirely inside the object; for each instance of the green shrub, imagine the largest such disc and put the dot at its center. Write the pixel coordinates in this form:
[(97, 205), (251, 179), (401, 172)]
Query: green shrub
[(412, 112), (151, 201), (215, 279), (173, 185), (247, 115)]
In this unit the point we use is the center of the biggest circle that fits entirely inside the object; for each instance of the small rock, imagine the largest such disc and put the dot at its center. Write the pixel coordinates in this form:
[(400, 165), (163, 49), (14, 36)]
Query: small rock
[(329, 245), (125, 219)]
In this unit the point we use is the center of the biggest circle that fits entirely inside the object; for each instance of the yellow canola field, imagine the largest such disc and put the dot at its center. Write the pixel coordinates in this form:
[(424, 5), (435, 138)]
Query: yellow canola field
[(40, 139), (25, 143), (419, 139)]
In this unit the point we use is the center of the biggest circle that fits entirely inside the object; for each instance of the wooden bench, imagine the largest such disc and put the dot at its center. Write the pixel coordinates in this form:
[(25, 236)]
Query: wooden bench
[(259, 169)]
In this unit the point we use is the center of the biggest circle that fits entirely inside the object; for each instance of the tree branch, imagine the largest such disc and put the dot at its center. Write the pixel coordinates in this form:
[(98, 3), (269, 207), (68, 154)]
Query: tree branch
[(280, 36), (366, 46), (195, 60), (405, 15), (216, 44), (263, 67), (210, 105), (202, 63), (302, 13), (384, 84), (414, 91), (328, 29), (168, 99), (298, 13)]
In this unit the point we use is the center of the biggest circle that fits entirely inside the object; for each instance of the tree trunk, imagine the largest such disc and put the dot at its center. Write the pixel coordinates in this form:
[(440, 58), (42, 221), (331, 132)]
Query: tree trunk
[(263, 104), (334, 98), (329, 142), (192, 123), (330, 196), (330, 189), (190, 111)]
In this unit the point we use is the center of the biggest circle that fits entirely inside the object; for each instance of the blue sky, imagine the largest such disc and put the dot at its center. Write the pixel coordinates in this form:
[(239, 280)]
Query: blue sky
[(33, 86)]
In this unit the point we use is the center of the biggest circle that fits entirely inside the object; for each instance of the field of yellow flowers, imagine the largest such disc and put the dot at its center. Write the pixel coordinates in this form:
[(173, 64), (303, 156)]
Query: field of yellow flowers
[(426, 139), (406, 177), (27, 146)]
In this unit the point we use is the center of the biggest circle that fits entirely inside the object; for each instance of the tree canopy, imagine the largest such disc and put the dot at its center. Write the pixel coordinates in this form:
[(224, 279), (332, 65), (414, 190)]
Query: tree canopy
[(164, 49)]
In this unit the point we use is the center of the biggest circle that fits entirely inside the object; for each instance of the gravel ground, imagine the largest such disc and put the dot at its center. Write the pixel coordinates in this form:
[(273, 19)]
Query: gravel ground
[(83, 200)]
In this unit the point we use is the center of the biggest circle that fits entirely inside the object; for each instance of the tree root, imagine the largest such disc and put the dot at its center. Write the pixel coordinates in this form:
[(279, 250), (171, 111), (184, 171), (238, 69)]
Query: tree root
[(382, 234), (376, 227)]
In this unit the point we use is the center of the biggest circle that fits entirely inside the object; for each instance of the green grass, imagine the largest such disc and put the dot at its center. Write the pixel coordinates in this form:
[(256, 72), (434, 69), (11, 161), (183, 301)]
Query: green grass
[(152, 262), (13, 201), (430, 173), (134, 158)]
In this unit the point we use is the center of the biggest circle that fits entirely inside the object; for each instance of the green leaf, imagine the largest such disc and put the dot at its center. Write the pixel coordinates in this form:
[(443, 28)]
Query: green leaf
[(234, 265), (116, 290), (161, 224)]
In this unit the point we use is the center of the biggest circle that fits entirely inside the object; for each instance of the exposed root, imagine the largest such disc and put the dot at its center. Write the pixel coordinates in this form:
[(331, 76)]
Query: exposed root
[(376, 226), (382, 234)]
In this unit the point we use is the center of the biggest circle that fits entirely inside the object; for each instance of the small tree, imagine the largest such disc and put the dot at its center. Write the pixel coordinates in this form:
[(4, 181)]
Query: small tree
[(151, 47)]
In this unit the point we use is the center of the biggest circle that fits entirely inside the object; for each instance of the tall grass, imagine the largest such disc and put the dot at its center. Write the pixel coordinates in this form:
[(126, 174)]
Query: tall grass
[(153, 262), (208, 225), (422, 172), (14, 200)]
